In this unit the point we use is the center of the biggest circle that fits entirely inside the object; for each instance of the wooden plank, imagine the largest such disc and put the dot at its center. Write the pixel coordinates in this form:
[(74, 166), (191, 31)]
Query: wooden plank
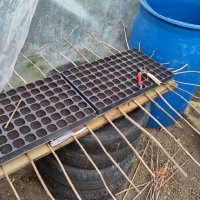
[(113, 114)]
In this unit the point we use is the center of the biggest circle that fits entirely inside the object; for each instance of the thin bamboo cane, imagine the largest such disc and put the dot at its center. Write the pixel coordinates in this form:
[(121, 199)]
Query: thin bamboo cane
[(115, 49), (163, 110), (96, 168), (142, 191), (181, 68), (100, 42), (134, 175), (33, 64), (65, 57), (184, 83), (65, 173), (91, 51), (139, 46), (148, 194), (186, 72), (49, 63), (182, 147), (40, 178), (168, 104), (104, 45), (125, 34), (153, 53), (138, 186), (183, 99), (154, 140), (130, 145), (20, 76), (11, 185), (13, 113), (80, 54), (167, 63), (153, 168), (187, 92), (113, 161)]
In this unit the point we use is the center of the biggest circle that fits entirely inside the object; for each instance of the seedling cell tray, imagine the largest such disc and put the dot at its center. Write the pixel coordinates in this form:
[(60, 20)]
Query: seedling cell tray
[(49, 108), (109, 82)]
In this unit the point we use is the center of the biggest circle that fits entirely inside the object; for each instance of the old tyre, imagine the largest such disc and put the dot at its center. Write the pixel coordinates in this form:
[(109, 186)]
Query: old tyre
[(87, 182)]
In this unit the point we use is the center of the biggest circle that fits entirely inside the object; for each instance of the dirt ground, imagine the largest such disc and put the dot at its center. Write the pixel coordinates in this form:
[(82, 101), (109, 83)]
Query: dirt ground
[(179, 187)]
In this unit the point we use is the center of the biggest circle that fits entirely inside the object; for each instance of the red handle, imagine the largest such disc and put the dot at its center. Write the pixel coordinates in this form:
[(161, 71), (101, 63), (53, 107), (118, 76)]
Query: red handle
[(139, 78)]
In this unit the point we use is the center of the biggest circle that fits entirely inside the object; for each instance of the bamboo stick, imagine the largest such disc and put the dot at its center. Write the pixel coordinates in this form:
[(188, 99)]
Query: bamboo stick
[(186, 72), (65, 173), (110, 47), (181, 68), (154, 140), (142, 191), (113, 161), (182, 147), (100, 42), (20, 76), (187, 92), (10, 183), (49, 63), (130, 145), (163, 110), (80, 54), (13, 113), (65, 57), (184, 83), (92, 52), (184, 99), (138, 186), (125, 35), (134, 175), (40, 178), (94, 165), (153, 53), (167, 103), (33, 64)]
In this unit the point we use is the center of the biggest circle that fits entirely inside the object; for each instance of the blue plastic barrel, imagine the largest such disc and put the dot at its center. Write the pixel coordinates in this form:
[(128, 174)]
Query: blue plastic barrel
[(169, 31)]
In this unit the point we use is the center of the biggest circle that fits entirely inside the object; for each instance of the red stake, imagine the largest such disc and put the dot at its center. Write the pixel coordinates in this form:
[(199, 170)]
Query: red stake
[(139, 78)]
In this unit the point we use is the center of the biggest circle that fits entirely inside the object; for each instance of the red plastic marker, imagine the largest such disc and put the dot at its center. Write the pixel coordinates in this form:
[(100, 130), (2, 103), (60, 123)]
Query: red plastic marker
[(139, 79)]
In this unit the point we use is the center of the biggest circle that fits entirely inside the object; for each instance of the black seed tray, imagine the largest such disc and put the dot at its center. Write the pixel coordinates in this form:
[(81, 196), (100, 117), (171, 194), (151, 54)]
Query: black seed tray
[(49, 108), (109, 82)]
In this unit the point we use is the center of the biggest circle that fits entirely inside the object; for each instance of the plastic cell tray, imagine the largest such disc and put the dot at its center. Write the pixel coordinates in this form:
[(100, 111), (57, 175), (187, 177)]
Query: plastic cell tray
[(109, 82), (49, 108)]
